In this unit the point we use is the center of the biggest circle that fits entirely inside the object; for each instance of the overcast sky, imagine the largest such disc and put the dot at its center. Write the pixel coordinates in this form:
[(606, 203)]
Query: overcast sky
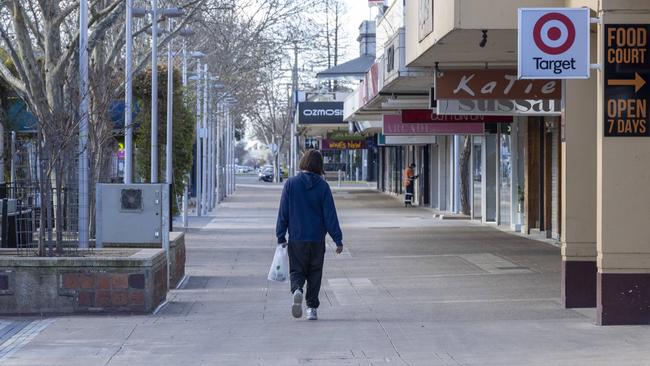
[(357, 11)]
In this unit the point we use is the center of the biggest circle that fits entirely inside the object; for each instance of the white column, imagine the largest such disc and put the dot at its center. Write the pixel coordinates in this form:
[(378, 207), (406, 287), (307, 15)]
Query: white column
[(83, 125), (457, 151)]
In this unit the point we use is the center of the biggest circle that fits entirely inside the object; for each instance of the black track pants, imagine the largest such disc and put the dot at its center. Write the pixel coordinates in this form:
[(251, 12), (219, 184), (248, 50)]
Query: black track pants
[(306, 264)]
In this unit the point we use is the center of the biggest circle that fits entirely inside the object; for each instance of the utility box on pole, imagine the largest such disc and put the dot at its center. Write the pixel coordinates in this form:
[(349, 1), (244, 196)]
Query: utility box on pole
[(132, 213)]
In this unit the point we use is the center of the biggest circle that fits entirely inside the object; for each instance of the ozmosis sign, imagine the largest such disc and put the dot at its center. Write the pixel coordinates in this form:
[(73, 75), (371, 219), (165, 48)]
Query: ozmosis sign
[(320, 113), (553, 43)]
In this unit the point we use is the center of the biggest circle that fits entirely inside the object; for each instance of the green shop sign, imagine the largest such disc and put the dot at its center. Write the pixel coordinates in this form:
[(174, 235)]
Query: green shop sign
[(343, 135)]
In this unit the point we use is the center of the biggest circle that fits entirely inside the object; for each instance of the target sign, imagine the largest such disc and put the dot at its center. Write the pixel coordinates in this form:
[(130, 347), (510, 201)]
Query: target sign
[(553, 43)]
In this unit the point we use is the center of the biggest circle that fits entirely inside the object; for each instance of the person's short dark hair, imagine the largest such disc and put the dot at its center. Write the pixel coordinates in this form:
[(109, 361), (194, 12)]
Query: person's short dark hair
[(412, 165), (312, 161)]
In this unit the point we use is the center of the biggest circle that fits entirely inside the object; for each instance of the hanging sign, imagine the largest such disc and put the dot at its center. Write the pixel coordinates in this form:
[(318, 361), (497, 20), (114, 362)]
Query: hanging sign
[(344, 145), (320, 113), (493, 84), (627, 71), (393, 126), (500, 107), (553, 43), (429, 116)]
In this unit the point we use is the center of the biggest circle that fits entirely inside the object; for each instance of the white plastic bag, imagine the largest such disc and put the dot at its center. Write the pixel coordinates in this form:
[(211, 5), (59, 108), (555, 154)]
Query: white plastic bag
[(280, 267)]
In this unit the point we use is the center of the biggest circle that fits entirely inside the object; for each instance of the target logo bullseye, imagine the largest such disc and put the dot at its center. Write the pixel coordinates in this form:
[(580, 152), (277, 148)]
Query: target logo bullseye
[(553, 43), (554, 33)]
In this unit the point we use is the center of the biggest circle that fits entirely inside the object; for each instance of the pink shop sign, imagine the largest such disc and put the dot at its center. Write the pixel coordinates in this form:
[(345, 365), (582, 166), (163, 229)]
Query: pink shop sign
[(393, 126)]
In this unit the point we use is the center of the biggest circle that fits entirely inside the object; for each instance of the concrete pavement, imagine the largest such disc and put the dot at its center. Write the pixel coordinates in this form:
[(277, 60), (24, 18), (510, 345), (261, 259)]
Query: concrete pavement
[(408, 290)]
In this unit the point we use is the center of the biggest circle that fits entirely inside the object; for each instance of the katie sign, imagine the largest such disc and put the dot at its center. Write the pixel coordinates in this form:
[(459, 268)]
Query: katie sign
[(553, 43)]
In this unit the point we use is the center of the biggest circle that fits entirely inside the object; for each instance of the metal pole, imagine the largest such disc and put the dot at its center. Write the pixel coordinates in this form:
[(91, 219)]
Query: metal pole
[(229, 137), (12, 176), (170, 110), (204, 175), (226, 152), (83, 125), (187, 178), (198, 139), (210, 154), (232, 152), (128, 97), (294, 107), (154, 91), (218, 154), (2, 153), (184, 70)]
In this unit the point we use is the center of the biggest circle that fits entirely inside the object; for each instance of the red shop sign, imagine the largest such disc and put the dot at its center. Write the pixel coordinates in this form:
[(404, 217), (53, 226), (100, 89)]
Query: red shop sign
[(429, 116)]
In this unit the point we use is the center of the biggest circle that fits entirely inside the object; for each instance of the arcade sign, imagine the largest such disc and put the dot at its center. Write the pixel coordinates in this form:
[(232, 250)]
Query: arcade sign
[(553, 43)]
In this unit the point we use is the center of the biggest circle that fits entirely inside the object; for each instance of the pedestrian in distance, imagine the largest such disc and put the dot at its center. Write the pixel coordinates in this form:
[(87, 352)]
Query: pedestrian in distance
[(409, 183), (308, 213)]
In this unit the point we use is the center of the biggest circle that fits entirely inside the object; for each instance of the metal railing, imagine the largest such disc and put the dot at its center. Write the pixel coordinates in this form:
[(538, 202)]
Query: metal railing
[(29, 218)]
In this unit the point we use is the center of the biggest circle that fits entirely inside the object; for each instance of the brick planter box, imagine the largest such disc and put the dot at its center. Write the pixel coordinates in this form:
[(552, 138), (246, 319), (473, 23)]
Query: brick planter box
[(105, 281), (176, 255)]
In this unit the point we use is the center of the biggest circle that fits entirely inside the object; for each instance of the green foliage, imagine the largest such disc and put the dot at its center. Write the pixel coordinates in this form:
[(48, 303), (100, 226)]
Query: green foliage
[(183, 129)]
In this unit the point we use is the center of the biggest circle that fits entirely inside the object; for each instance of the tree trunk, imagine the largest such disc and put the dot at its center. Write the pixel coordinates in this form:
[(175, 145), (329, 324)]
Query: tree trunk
[(465, 177)]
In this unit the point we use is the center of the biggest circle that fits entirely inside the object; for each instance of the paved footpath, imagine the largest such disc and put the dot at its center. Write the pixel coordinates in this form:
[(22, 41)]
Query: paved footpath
[(408, 290)]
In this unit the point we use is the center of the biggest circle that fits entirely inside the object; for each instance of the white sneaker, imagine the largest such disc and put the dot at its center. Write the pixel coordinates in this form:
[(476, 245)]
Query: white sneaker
[(296, 308), (312, 314)]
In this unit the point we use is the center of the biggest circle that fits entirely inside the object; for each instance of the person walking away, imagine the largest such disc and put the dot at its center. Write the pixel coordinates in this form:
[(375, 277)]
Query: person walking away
[(308, 213), (409, 183)]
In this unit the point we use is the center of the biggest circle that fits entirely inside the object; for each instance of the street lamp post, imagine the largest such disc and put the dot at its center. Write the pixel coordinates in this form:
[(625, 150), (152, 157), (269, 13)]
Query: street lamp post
[(154, 92), (198, 139), (204, 134), (170, 107), (84, 210), (128, 95)]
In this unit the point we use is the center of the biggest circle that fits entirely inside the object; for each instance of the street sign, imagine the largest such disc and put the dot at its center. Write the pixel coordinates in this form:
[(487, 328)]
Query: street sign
[(553, 43), (627, 71)]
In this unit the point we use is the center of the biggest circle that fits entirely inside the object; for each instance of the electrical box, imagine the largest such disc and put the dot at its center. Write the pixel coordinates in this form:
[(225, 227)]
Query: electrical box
[(131, 213)]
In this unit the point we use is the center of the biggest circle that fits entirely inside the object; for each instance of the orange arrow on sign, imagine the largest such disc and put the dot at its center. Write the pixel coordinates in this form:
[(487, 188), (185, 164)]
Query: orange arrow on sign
[(637, 82)]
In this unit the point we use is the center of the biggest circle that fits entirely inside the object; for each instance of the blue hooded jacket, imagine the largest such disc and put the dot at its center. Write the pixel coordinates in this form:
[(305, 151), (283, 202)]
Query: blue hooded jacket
[(307, 211)]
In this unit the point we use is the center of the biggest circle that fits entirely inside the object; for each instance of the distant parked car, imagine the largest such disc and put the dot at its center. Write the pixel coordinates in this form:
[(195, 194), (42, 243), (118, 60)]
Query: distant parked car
[(267, 175)]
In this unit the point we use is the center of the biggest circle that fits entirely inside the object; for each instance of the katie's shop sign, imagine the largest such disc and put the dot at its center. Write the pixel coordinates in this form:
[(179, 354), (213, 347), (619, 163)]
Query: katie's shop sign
[(553, 43), (493, 84), (320, 113)]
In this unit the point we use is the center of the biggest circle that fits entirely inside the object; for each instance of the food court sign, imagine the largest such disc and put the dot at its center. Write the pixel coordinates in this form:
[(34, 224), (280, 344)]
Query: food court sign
[(553, 43), (626, 72)]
